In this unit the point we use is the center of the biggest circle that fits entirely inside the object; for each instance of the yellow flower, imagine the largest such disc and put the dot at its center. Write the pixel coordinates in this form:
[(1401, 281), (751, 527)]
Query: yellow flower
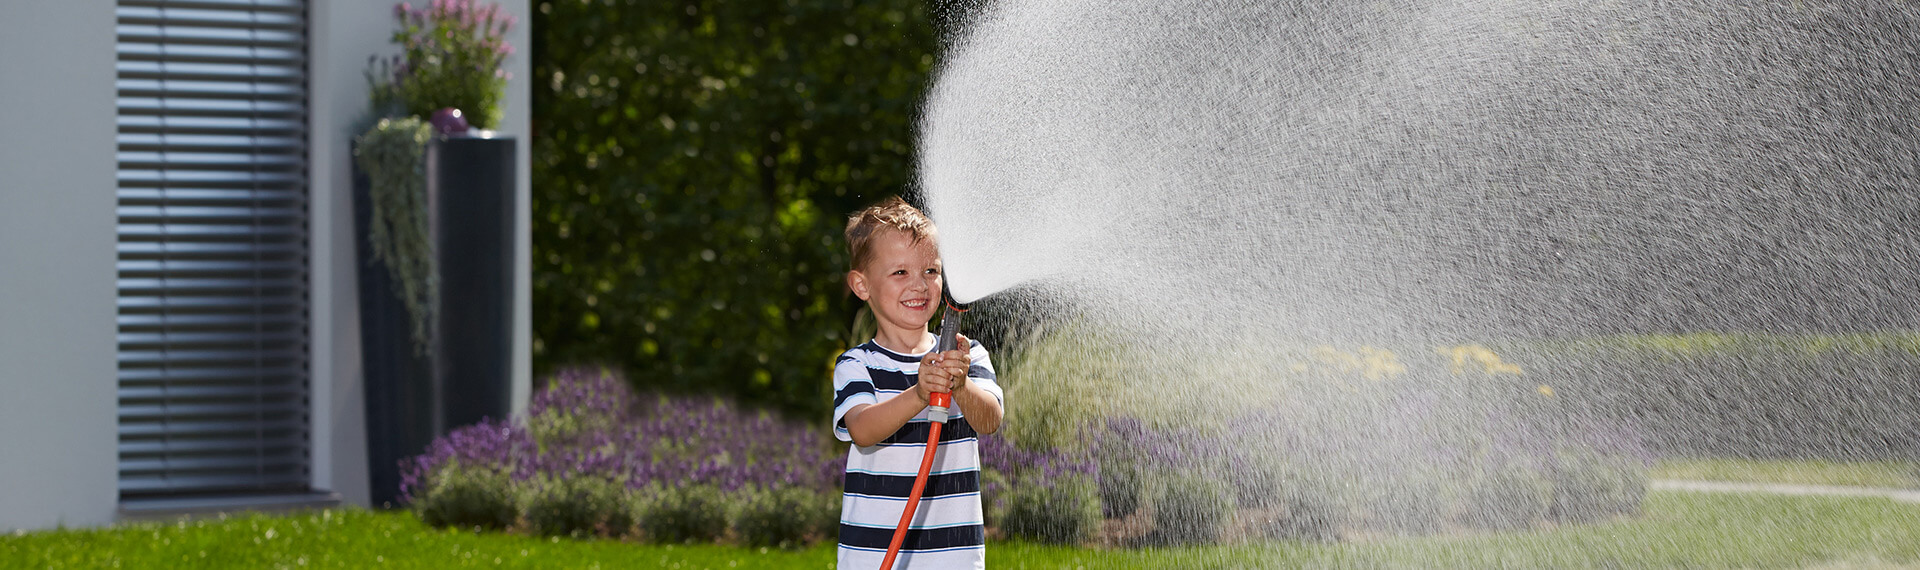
[(1379, 364), (1483, 360)]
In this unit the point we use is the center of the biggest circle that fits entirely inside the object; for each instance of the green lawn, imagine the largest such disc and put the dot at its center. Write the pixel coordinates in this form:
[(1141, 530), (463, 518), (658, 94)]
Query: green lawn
[(1896, 474), (1690, 530)]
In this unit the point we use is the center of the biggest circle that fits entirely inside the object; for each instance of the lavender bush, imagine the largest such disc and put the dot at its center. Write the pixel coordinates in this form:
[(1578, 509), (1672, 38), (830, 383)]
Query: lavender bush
[(1191, 509), (1343, 440), (1042, 494), (787, 517), (470, 498), (689, 513), (593, 451), (579, 507), (1066, 510)]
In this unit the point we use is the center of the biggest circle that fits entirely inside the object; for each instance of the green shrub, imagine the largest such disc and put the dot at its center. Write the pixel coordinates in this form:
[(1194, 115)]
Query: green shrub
[(1588, 486), (1507, 496), (1120, 489), (993, 495), (1415, 505), (580, 506), (1191, 510), (1307, 510), (676, 154), (693, 513), (786, 517), (468, 498), (1062, 511)]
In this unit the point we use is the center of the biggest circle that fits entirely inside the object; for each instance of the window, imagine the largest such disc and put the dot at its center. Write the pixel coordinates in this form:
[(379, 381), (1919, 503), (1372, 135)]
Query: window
[(213, 282)]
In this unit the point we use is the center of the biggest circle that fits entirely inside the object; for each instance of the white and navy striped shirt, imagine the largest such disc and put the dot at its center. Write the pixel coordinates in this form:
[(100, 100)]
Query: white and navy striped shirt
[(947, 529)]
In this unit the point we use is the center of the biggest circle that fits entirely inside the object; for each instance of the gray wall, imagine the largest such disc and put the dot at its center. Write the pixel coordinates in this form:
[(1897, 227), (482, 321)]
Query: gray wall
[(58, 424), (58, 421), (344, 34)]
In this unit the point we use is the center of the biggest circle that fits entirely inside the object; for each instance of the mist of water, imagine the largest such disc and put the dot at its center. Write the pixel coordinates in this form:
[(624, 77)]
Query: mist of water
[(1208, 176)]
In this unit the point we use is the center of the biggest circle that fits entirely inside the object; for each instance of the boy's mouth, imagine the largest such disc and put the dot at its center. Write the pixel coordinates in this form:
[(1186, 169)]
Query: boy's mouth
[(915, 304)]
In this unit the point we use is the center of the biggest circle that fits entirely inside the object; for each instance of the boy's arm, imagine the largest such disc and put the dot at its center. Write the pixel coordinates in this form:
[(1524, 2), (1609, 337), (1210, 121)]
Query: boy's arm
[(981, 406), (872, 423)]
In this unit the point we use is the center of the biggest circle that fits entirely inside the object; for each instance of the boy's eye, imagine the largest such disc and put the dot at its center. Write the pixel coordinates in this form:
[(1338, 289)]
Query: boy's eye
[(899, 272), (933, 271)]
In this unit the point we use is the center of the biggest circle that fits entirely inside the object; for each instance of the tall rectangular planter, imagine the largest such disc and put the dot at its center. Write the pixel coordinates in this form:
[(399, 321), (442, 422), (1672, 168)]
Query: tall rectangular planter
[(466, 373)]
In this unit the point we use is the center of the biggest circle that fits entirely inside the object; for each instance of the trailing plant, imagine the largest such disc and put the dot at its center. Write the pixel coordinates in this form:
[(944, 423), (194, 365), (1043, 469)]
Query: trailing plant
[(393, 154)]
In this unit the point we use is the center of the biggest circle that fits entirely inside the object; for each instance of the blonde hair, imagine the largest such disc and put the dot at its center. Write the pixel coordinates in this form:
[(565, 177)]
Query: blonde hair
[(891, 213)]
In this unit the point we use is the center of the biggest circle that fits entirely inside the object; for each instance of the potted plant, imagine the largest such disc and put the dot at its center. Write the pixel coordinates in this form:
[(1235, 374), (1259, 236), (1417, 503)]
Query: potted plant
[(435, 212)]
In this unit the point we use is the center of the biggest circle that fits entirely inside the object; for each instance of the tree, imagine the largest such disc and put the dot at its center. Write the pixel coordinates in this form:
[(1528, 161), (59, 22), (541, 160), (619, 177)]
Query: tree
[(693, 166)]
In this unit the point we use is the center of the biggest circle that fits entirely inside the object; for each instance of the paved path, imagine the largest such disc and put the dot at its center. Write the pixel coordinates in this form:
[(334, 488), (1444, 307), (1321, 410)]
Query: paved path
[(1904, 495)]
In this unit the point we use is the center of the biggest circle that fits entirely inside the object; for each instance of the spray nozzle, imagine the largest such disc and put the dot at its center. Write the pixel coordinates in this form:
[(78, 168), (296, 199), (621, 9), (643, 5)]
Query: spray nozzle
[(948, 340), (946, 296), (950, 321)]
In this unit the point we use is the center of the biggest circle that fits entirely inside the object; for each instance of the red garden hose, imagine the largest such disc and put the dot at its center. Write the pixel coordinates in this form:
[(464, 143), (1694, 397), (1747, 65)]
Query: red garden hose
[(937, 405), (936, 417)]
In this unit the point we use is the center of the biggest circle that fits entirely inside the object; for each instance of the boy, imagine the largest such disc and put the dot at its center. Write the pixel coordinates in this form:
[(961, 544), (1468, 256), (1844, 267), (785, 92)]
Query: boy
[(881, 389)]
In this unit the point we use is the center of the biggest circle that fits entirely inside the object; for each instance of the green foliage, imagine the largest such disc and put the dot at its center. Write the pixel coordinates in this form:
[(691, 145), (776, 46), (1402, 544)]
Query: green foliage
[(1802, 396), (787, 517), (1121, 484), (580, 506), (1413, 503), (1681, 530), (1589, 486), (1066, 510), (468, 498), (453, 54), (1191, 510), (692, 513), (1309, 510), (393, 154), (1507, 496), (1899, 474), (693, 164)]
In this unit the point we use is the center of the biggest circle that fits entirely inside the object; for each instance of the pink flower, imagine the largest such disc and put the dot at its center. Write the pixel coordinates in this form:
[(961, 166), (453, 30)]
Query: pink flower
[(401, 10)]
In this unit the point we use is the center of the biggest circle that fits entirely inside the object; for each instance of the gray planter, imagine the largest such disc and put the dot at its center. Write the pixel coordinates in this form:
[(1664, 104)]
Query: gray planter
[(467, 374)]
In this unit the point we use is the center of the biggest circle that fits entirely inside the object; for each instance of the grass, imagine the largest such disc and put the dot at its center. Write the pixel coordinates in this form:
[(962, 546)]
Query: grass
[(1678, 530), (1894, 474)]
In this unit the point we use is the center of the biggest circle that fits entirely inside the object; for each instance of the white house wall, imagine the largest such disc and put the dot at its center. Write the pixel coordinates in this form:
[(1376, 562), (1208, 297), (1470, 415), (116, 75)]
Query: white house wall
[(58, 398), (344, 34), (59, 458)]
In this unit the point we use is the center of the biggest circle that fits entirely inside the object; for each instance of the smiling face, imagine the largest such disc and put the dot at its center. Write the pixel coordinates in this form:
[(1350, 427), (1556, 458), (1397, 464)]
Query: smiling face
[(901, 281)]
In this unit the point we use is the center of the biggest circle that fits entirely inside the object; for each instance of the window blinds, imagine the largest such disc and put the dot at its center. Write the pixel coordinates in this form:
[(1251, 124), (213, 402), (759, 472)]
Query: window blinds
[(212, 250)]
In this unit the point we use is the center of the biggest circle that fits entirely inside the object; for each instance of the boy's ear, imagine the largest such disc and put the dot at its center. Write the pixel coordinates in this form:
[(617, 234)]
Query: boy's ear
[(858, 283)]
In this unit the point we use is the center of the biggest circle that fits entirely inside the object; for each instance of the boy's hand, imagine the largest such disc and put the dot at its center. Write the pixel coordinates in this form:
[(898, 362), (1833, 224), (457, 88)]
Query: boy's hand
[(944, 372)]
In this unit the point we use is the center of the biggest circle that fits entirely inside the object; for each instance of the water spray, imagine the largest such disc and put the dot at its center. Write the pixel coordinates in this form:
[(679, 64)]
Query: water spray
[(937, 406)]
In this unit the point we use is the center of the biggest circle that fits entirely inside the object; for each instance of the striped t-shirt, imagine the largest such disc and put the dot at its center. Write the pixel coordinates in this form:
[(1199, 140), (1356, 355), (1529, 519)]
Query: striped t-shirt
[(947, 529)]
